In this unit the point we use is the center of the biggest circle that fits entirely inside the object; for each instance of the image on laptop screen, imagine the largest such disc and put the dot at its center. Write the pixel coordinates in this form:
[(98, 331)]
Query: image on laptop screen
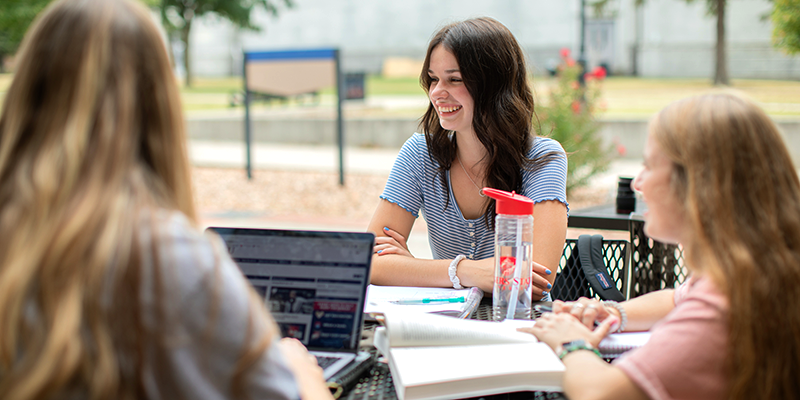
[(312, 282)]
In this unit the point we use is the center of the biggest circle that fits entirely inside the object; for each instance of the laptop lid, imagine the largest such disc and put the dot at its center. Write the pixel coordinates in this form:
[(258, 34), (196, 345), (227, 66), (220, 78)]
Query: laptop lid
[(313, 282)]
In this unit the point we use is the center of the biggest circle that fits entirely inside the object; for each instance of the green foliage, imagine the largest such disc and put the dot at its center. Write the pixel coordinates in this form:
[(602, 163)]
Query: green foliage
[(177, 14), (15, 17), (568, 116), (786, 25), (177, 17)]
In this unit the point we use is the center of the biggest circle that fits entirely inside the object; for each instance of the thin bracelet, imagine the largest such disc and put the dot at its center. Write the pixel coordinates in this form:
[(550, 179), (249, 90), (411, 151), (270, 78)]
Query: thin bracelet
[(623, 316), (452, 271)]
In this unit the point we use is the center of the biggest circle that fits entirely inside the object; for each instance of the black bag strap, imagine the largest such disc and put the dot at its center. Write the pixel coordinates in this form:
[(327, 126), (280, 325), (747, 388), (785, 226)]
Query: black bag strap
[(590, 248)]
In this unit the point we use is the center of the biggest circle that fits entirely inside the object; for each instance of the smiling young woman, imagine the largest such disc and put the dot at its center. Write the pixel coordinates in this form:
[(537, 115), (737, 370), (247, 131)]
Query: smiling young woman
[(477, 132)]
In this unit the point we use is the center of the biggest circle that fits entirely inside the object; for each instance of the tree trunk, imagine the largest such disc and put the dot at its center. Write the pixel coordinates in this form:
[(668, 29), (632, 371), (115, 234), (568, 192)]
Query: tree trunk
[(721, 72), (187, 28)]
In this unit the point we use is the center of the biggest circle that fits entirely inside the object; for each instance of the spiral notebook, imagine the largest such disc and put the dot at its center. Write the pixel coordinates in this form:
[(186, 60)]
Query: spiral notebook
[(617, 343), (382, 298)]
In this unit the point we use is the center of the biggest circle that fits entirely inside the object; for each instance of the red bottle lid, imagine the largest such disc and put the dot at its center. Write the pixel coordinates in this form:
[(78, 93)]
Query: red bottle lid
[(510, 203)]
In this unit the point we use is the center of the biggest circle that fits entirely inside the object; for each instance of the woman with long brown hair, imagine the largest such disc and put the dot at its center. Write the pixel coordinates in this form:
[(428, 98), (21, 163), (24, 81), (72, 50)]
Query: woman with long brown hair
[(477, 132), (108, 290), (718, 180)]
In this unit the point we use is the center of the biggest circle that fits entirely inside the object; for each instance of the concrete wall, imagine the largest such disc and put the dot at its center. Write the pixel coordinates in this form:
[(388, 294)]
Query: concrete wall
[(392, 133)]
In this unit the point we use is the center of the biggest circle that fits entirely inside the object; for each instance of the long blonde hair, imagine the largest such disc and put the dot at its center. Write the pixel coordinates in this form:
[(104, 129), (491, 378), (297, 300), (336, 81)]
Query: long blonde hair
[(742, 200), (91, 137)]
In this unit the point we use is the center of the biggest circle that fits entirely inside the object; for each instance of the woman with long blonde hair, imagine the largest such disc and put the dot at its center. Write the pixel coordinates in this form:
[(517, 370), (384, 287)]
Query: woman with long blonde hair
[(108, 290), (718, 180)]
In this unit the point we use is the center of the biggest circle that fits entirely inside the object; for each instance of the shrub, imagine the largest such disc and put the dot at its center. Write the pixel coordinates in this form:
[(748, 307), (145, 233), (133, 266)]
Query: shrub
[(567, 115)]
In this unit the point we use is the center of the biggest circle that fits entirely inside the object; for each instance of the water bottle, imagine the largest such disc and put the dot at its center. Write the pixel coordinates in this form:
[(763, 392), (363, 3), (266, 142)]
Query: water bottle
[(513, 253)]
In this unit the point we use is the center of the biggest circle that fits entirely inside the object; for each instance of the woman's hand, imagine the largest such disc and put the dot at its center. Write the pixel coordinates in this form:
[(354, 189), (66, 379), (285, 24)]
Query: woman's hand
[(555, 329), (541, 286), (587, 311), (309, 375), (394, 243), (478, 273)]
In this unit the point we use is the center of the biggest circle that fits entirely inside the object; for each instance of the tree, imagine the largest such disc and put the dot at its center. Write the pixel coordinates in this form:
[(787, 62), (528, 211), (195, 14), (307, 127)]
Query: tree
[(178, 15), (715, 8), (786, 25), (15, 18)]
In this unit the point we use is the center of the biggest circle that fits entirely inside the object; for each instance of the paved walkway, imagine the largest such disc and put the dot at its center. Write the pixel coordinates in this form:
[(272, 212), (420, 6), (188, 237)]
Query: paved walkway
[(325, 158)]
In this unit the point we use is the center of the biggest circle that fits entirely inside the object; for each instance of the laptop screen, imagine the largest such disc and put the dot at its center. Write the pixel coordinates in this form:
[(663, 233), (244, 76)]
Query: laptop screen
[(312, 282)]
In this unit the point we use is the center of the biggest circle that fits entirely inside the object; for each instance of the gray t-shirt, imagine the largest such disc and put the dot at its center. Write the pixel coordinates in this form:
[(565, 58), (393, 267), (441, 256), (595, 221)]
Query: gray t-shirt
[(202, 349)]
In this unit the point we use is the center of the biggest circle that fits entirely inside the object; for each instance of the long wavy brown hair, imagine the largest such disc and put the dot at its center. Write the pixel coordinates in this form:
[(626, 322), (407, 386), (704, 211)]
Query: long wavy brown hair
[(92, 145), (494, 72), (742, 197)]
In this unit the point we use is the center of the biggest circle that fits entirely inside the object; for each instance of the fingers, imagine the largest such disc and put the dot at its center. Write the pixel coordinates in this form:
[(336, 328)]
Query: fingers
[(384, 249), (541, 286), (610, 324), (589, 315), (540, 269), (394, 235)]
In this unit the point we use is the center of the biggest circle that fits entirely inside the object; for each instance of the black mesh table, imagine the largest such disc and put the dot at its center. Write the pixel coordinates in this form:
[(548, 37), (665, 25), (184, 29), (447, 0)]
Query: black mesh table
[(654, 265)]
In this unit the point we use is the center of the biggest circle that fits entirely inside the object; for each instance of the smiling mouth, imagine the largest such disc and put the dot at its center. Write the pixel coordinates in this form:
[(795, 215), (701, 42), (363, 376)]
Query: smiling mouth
[(447, 110)]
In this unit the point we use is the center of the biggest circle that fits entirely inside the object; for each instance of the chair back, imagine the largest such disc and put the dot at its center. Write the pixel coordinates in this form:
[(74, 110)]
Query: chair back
[(571, 283)]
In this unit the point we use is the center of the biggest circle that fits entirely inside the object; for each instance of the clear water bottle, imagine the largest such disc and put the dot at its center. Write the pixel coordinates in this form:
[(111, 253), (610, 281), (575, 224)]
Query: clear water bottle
[(513, 253)]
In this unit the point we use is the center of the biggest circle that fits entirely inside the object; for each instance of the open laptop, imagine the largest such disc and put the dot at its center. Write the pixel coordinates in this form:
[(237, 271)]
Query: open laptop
[(313, 283)]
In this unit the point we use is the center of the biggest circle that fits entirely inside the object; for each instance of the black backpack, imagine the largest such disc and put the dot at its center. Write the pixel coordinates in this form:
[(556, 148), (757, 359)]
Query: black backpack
[(585, 270)]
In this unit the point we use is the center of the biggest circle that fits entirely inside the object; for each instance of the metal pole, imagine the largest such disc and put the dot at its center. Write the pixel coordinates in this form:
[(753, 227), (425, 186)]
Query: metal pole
[(339, 119), (247, 136), (583, 30)]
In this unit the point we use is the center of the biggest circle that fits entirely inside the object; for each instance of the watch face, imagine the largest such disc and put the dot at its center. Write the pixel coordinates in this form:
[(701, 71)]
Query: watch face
[(575, 343)]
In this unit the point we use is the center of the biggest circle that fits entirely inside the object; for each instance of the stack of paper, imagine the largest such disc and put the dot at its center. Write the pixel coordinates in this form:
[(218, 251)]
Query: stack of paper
[(384, 298)]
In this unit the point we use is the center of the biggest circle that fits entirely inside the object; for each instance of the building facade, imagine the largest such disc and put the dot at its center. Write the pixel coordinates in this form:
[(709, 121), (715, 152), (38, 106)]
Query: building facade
[(662, 38)]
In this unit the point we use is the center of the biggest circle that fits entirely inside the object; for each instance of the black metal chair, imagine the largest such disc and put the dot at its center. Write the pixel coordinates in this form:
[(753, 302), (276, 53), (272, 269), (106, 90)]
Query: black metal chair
[(570, 287)]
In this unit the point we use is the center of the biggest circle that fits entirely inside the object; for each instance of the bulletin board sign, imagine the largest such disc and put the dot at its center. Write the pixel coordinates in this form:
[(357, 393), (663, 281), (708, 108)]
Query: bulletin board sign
[(286, 73)]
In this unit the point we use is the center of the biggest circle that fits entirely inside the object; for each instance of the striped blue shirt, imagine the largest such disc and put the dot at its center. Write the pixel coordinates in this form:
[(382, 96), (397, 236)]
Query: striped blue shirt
[(414, 185)]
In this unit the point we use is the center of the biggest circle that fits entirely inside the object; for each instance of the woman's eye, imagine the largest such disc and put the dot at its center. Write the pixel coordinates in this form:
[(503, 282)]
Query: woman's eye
[(455, 79), (434, 79)]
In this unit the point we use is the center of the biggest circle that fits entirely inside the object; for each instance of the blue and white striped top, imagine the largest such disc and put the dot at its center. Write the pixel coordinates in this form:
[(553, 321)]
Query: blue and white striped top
[(413, 184)]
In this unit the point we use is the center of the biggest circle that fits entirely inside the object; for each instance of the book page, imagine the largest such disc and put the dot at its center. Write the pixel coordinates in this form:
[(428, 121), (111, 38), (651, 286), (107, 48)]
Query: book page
[(407, 329)]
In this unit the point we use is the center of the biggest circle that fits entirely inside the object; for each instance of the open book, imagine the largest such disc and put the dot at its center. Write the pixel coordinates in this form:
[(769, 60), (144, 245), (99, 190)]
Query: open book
[(437, 357)]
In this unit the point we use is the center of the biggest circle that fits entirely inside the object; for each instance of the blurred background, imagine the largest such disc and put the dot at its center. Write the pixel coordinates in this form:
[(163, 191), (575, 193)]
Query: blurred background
[(599, 68)]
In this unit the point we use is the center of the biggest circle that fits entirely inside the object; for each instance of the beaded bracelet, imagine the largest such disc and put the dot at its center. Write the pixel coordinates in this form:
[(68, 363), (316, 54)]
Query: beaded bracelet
[(576, 345), (452, 271), (623, 316)]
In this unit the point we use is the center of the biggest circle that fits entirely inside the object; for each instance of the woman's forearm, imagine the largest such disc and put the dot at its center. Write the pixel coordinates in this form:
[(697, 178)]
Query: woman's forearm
[(644, 311), (394, 270)]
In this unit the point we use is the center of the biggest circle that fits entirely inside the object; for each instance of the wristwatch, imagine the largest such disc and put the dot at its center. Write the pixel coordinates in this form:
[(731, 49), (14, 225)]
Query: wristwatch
[(575, 345)]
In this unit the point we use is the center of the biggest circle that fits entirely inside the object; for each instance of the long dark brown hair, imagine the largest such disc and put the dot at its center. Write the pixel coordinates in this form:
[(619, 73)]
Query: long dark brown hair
[(741, 195), (493, 69)]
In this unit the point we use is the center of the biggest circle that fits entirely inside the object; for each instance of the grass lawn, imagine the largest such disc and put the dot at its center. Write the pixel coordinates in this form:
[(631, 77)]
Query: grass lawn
[(622, 97)]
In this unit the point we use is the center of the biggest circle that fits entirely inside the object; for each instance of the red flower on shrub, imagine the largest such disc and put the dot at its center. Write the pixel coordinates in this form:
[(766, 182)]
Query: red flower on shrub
[(598, 73), (576, 107)]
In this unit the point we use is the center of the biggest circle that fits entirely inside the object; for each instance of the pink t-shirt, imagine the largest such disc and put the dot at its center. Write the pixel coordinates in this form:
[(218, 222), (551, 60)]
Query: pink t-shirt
[(686, 354)]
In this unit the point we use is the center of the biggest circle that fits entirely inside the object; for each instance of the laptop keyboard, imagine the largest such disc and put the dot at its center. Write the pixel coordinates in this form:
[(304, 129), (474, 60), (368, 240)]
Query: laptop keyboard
[(324, 362)]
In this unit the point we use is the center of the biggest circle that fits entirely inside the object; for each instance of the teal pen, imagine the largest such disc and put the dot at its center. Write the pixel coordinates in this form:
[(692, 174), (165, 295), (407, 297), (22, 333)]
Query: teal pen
[(431, 301)]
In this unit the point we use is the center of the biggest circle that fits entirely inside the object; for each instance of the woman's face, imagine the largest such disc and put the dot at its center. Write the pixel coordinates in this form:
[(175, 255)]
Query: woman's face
[(448, 93), (665, 219)]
